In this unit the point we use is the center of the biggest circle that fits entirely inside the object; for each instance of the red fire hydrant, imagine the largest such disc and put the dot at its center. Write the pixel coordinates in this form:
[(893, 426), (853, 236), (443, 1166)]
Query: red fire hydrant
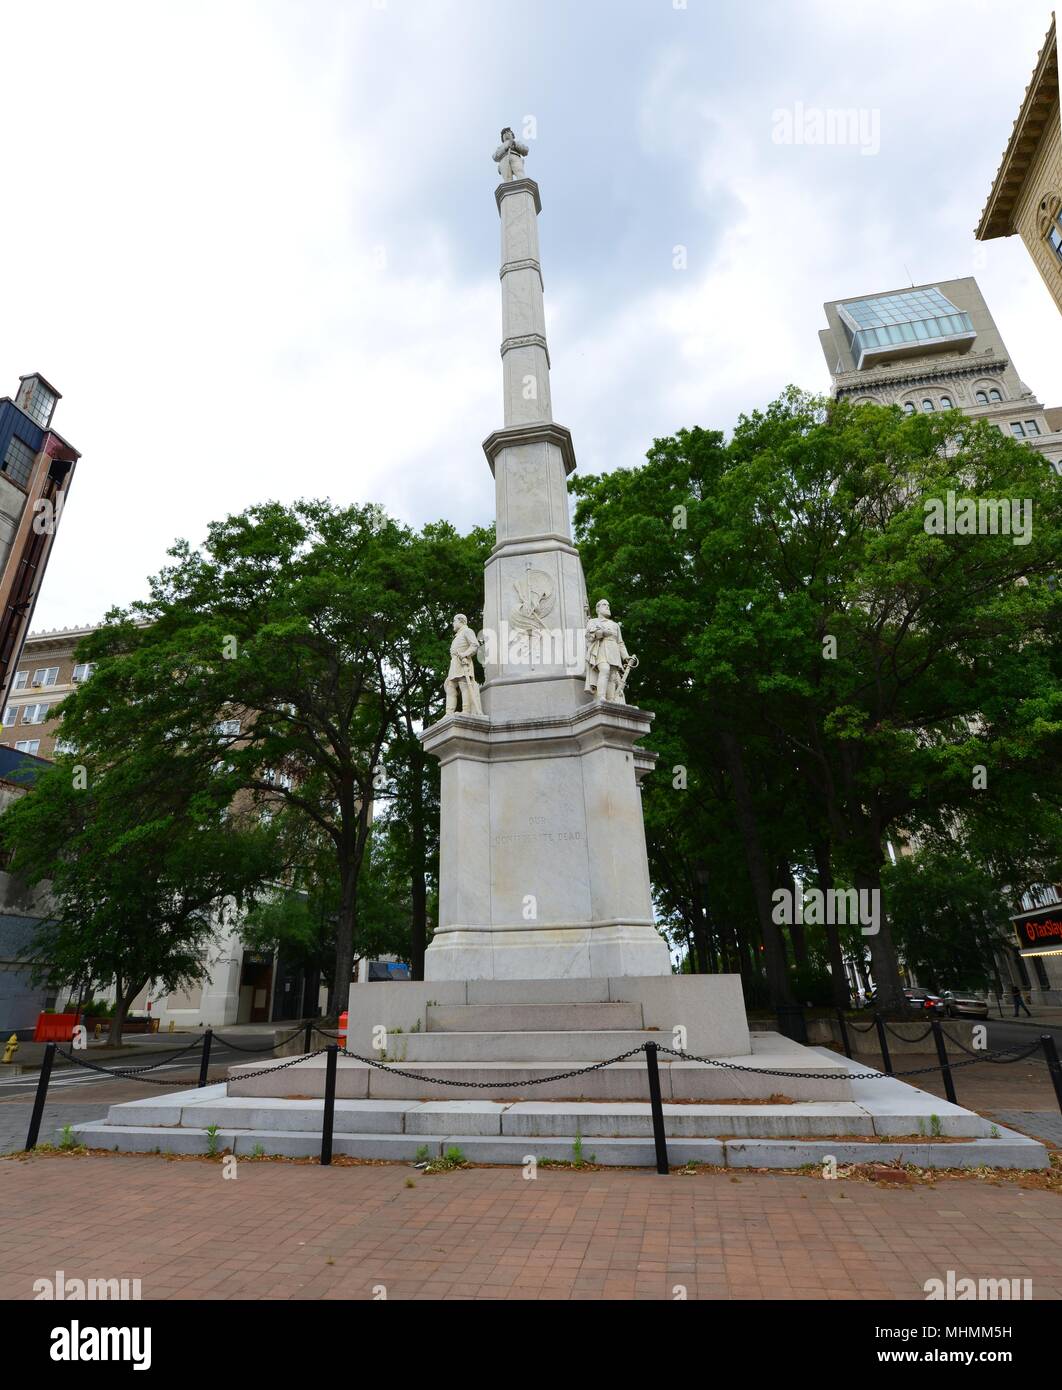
[(342, 1038)]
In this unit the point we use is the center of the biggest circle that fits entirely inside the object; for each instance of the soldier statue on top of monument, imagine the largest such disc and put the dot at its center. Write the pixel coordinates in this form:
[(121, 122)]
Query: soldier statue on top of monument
[(608, 662), (509, 157)]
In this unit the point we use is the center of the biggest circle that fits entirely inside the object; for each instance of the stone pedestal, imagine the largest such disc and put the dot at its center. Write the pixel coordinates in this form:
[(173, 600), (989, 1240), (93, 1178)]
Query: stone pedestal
[(543, 871)]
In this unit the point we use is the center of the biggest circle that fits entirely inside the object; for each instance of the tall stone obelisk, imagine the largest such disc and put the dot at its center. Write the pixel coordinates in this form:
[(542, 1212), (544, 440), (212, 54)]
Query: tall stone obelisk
[(543, 869)]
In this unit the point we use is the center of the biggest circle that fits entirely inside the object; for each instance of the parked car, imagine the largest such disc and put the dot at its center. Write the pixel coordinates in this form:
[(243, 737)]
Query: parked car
[(960, 1002), (922, 999)]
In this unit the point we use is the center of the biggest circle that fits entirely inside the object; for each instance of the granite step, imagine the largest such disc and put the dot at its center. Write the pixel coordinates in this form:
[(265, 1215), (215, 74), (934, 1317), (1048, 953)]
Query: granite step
[(809, 1077), (533, 1018), (570, 1047), (1008, 1150)]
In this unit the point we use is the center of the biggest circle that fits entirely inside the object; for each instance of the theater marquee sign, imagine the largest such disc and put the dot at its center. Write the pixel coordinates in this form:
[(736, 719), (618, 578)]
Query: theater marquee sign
[(1040, 935)]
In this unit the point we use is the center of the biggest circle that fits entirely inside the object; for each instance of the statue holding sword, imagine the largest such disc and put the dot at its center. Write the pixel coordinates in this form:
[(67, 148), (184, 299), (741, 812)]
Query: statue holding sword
[(608, 663)]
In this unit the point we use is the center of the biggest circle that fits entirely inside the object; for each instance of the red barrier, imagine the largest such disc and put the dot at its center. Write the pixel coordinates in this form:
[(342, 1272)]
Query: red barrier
[(55, 1027)]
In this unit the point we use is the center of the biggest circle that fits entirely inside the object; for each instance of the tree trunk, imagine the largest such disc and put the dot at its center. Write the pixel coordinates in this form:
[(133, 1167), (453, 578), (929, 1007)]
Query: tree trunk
[(339, 993), (824, 871), (699, 934), (774, 946), (123, 1003), (884, 961)]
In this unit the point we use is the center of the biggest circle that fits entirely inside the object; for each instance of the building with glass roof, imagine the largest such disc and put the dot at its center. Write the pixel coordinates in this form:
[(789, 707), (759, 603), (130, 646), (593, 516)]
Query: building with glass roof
[(934, 347), (907, 323)]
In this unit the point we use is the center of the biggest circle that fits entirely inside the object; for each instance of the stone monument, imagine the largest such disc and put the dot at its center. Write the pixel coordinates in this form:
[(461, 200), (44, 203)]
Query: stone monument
[(543, 868)]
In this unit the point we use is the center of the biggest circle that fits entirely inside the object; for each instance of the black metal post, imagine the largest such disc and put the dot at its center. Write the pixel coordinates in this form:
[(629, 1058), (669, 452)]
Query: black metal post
[(39, 1098), (308, 1040), (945, 1065), (204, 1061), (659, 1137), (883, 1043), (1054, 1066), (329, 1103), (844, 1033)]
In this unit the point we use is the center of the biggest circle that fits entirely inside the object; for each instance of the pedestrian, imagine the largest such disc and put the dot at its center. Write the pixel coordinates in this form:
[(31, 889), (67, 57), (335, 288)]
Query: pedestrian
[(1019, 1002)]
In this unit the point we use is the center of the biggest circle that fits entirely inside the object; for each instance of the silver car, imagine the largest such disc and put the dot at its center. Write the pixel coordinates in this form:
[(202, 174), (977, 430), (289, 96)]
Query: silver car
[(962, 1003)]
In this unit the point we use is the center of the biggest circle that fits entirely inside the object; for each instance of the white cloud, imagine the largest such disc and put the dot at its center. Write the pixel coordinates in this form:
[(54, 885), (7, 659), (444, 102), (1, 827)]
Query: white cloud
[(200, 194)]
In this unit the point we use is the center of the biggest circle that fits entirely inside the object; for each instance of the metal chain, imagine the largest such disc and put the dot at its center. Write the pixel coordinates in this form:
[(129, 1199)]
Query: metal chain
[(218, 1037), (903, 1037), (1000, 1053), (492, 1085), (126, 1074), (151, 1066), (831, 1076)]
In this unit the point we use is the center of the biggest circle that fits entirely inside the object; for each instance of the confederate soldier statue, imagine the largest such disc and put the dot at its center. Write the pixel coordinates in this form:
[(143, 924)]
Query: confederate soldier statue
[(509, 157), (462, 672), (608, 663)]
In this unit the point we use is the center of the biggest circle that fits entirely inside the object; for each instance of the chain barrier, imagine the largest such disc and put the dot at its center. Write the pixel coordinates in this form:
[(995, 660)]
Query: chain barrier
[(650, 1050), (904, 1037), (150, 1066), (869, 1075), (218, 1037), (491, 1085), (136, 1074), (999, 1054)]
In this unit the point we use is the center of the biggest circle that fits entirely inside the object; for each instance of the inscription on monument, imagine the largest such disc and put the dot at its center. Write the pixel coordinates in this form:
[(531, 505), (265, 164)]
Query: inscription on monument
[(537, 835)]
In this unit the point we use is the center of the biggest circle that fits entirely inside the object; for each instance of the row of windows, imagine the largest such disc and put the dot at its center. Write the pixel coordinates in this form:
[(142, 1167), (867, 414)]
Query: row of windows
[(984, 397), (946, 403), (49, 675), (31, 714), (1019, 431)]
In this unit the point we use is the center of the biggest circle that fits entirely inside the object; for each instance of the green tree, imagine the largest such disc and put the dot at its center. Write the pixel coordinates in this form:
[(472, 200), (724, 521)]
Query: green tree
[(145, 866), (844, 667)]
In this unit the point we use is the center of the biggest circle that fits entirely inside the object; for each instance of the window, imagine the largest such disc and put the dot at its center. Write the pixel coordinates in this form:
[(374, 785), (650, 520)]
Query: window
[(28, 745), (83, 670), (1031, 427), (945, 403), (228, 728), (21, 680), (18, 462), (1016, 429), (40, 405), (927, 404), (35, 714), (63, 746), (982, 398), (1054, 234), (994, 395), (909, 408), (46, 675), (11, 714)]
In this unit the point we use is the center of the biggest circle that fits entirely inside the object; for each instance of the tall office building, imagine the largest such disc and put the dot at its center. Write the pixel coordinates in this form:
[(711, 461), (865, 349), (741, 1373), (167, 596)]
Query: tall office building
[(934, 347), (1026, 194), (36, 469)]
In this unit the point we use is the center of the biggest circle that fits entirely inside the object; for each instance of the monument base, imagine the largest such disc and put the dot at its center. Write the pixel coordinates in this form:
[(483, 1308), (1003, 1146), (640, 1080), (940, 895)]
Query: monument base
[(543, 871), (547, 953)]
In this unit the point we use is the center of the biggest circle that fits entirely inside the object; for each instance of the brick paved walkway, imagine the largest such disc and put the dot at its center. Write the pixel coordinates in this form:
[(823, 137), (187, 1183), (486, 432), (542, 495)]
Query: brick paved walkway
[(282, 1231)]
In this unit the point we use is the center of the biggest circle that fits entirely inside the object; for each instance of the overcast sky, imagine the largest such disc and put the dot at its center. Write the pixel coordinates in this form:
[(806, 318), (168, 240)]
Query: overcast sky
[(255, 245)]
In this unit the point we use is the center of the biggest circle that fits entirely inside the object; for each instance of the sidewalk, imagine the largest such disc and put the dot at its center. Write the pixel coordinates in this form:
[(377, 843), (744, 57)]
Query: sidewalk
[(489, 1233), (29, 1054)]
